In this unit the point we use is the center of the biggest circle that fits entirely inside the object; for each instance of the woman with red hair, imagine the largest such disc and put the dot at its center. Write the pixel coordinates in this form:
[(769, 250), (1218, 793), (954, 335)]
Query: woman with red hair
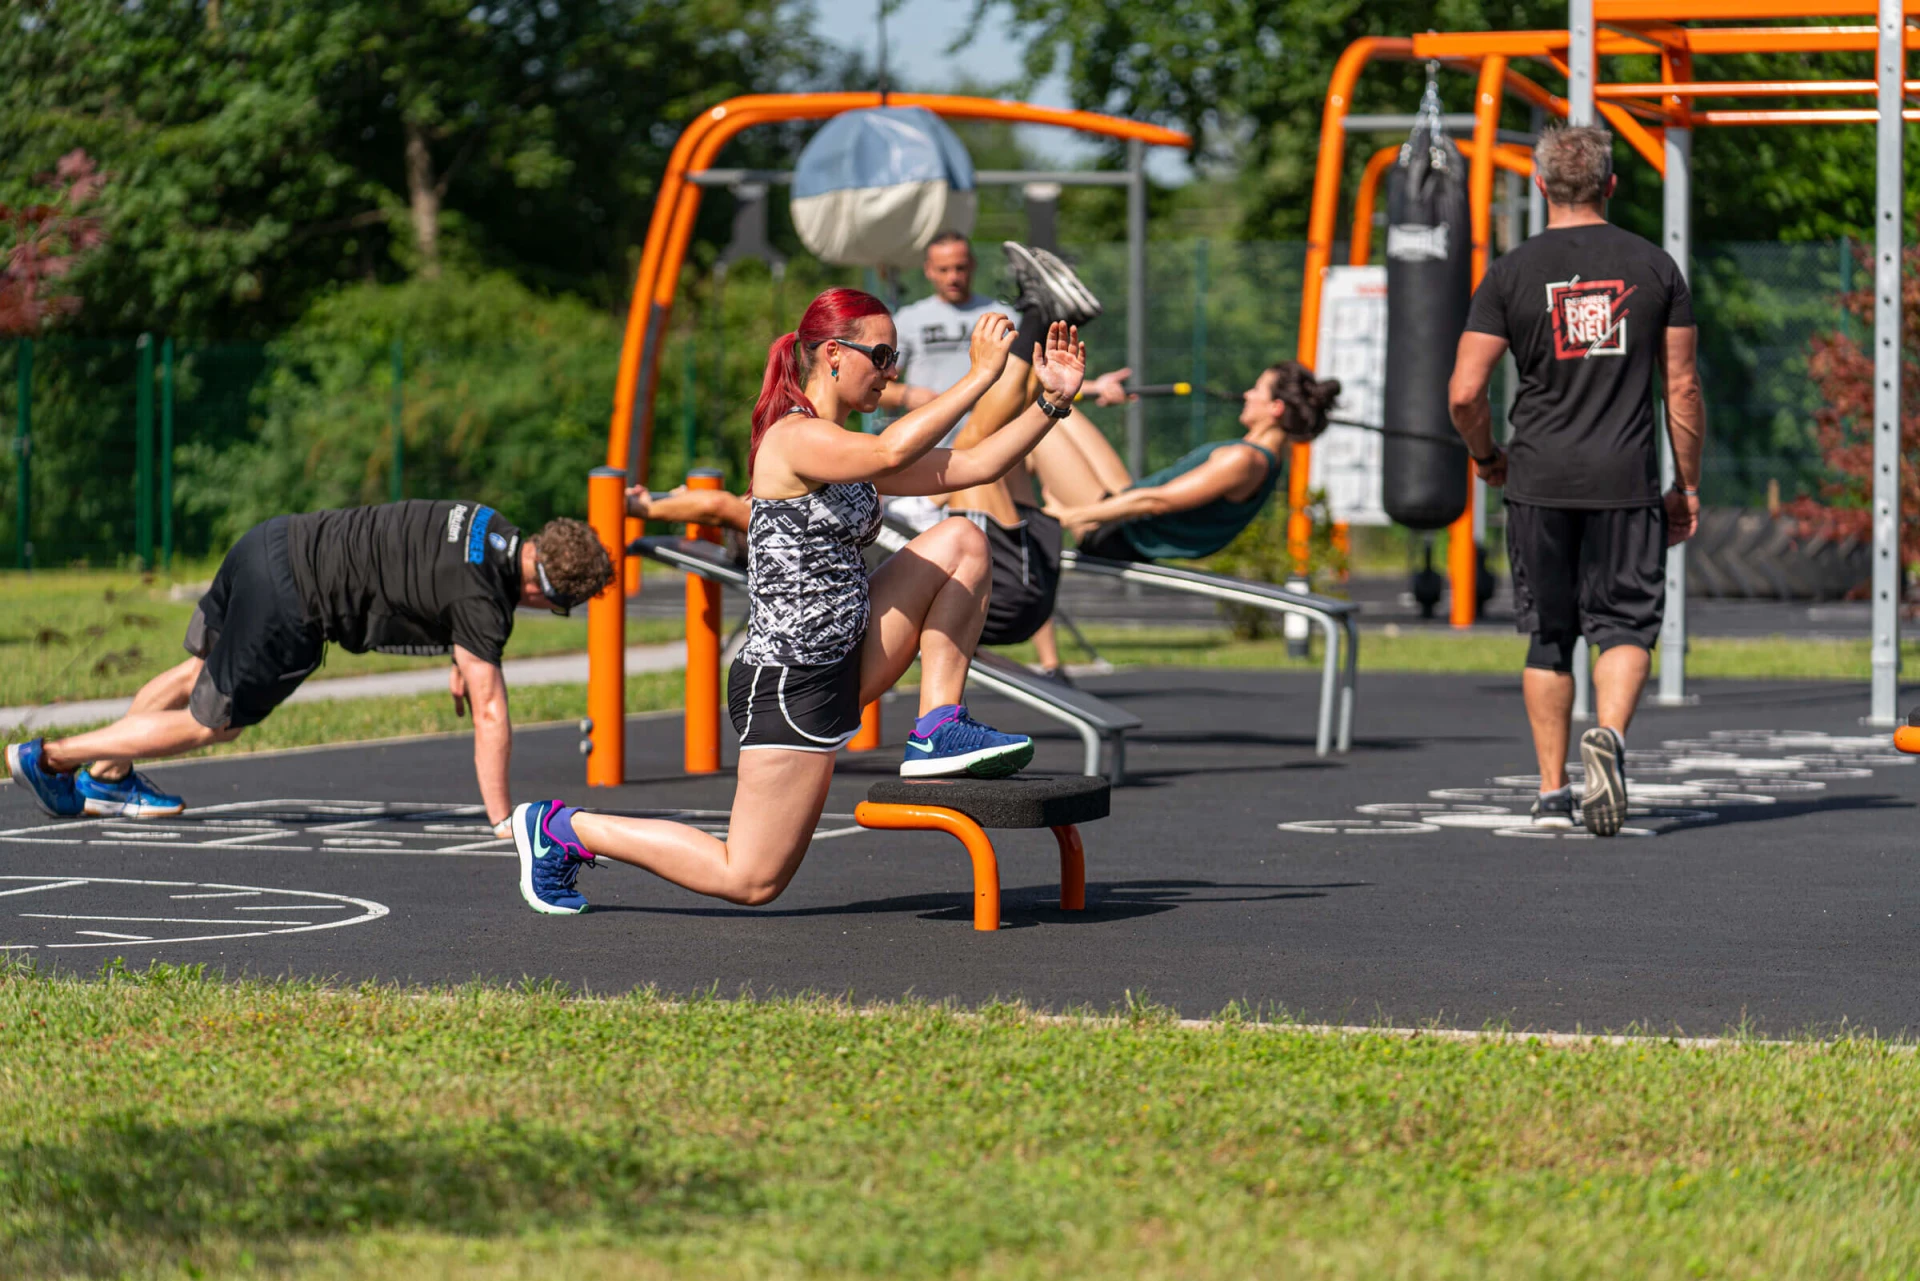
[(822, 638)]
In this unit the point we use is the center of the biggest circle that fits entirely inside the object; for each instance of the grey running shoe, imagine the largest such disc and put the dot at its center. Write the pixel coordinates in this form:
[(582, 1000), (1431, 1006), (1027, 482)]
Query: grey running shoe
[(1554, 809), (1603, 807), (1047, 283)]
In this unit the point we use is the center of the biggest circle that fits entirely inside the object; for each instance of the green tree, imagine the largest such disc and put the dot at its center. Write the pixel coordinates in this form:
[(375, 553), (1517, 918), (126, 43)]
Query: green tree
[(1248, 79), (261, 150)]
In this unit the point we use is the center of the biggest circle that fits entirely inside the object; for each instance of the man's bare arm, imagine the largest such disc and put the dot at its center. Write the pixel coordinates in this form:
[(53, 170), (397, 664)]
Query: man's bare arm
[(486, 690), (1469, 405), (1686, 407)]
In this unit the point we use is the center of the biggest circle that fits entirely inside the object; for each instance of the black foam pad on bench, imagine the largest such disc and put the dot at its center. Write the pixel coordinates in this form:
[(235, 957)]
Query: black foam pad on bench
[(1003, 802)]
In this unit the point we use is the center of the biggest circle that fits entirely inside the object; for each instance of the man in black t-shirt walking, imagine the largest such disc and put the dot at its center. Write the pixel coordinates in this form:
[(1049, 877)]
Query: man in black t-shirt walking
[(1590, 312), (402, 578)]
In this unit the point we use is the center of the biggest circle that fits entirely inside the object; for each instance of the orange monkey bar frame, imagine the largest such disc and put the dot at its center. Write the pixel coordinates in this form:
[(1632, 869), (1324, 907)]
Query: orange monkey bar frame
[(1639, 112), (630, 434)]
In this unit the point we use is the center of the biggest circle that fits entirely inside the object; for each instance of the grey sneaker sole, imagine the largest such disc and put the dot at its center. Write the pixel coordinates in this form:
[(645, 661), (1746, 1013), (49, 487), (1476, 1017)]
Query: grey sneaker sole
[(1603, 806), (1050, 286)]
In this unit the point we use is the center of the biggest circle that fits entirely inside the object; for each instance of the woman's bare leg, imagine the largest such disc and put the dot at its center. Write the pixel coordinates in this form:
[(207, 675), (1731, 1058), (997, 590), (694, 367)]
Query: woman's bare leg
[(1046, 646), (930, 599), (1076, 465), (776, 806)]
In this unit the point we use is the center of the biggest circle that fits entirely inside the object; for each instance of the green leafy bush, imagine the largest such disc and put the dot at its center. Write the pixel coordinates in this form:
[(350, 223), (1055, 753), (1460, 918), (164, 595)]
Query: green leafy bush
[(504, 399)]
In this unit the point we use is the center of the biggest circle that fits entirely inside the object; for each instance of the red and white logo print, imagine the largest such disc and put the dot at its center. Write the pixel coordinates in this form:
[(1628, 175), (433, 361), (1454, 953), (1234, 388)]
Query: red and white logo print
[(1589, 318)]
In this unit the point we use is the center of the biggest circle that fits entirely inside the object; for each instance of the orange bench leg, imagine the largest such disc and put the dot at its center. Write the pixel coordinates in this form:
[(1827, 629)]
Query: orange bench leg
[(933, 818), (1073, 869)]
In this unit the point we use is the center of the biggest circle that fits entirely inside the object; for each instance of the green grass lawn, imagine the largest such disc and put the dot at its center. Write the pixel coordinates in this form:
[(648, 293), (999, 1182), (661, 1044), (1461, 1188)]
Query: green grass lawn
[(159, 1125), (78, 634)]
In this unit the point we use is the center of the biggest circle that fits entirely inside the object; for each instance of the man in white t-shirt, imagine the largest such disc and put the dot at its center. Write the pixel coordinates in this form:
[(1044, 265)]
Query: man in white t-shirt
[(934, 332)]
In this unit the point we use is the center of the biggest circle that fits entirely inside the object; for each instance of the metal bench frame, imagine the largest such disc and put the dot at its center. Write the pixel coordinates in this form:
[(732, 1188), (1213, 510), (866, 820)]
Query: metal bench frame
[(1334, 618)]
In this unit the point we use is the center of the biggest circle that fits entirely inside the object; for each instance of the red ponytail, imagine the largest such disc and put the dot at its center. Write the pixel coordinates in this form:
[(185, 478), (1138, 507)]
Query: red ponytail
[(790, 359)]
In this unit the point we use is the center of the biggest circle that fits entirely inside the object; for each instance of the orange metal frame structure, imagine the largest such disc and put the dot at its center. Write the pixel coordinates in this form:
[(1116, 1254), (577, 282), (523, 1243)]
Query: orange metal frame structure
[(1639, 112), (629, 436)]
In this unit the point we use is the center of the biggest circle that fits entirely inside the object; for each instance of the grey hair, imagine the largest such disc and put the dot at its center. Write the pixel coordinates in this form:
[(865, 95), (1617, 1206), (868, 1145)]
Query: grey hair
[(1574, 162)]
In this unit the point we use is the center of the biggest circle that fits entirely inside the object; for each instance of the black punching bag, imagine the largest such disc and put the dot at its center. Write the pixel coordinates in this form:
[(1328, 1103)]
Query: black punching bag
[(1429, 284)]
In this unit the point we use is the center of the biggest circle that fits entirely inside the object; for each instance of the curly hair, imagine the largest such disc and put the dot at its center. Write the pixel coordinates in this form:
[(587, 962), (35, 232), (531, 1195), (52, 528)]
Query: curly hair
[(1307, 399), (576, 562)]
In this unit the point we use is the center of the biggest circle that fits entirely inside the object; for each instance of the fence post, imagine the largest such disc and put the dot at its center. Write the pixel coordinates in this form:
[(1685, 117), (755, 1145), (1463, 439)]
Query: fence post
[(143, 452), (166, 453), (394, 410), (23, 449), (1197, 425)]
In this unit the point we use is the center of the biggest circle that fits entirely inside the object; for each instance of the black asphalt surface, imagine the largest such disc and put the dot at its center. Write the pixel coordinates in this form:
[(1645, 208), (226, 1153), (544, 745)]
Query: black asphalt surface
[(1776, 886)]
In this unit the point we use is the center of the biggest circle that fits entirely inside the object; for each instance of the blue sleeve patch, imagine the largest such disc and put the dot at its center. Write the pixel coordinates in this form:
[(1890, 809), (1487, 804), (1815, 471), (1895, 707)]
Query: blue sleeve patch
[(477, 536)]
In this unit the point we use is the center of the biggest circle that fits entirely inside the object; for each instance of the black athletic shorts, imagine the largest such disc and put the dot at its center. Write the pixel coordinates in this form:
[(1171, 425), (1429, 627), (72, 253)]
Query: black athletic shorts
[(253, 631), (1026, 573), (1598, 574), (801, 709), (1110, 542)]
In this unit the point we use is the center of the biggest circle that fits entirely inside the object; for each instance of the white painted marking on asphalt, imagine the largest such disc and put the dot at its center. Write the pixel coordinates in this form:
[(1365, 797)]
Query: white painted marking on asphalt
[(233, 894), (126, 938), (149, 920), (35, 889)]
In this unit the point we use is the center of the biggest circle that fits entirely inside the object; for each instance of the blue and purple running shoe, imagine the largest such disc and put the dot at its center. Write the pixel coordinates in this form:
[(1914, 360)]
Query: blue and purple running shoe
[(549, 861)]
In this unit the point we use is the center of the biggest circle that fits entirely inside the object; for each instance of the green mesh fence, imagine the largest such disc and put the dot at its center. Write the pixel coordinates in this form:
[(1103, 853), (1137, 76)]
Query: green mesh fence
[(262, 428)]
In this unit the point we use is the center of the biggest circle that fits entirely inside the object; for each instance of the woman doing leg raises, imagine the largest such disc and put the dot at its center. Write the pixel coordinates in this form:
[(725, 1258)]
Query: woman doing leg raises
[(822, 640)]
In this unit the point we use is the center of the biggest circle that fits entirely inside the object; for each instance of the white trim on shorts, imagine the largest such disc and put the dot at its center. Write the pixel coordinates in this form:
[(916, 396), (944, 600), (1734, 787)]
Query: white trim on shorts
[(831, 743)]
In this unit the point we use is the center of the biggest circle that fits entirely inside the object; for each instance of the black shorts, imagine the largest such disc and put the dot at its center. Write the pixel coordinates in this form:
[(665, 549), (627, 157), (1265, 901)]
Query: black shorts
[(1600, 574), (800, 709), (253, 631), (1110, 542), (1026, 574)]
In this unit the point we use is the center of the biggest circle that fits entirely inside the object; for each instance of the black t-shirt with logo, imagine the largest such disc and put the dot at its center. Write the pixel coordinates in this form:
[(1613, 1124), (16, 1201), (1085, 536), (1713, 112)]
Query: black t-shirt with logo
[(1586, 311), (409, 578)]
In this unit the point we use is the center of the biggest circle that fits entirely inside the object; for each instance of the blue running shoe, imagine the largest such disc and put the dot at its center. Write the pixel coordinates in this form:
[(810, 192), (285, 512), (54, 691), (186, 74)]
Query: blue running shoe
[(134, 796), (548, 864), (963, 745), (55, 791)]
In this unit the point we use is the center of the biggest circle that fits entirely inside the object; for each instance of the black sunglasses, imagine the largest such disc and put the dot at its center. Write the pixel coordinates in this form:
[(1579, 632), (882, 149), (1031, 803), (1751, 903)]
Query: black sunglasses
[(560, 603), (882, 356)]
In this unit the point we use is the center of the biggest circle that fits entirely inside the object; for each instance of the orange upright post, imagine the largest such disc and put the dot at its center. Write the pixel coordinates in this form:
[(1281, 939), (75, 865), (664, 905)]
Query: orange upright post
[(869, 736), (703, 650), (607, 634)]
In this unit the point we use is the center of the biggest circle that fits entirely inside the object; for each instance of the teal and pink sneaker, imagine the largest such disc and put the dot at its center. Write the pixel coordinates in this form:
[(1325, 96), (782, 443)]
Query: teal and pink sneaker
[(551, 856)]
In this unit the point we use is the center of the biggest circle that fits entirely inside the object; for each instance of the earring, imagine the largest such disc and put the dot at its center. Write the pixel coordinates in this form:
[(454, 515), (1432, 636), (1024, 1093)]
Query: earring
[(835, 372)]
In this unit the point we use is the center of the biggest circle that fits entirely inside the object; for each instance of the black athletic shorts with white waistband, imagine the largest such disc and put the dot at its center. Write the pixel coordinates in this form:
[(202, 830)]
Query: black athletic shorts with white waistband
[(798, 708)]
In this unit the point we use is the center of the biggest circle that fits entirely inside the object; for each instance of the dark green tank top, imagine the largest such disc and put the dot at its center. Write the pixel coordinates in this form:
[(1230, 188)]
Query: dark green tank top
[(1204, 530)]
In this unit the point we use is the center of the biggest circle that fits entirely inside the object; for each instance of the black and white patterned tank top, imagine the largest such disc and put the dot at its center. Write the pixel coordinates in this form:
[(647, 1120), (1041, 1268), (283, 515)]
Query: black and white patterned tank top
[(806, 580)]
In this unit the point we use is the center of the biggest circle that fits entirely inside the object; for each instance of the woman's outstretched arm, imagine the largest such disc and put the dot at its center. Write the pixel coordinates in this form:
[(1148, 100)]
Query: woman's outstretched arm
[(824, 453), (1059, 365)]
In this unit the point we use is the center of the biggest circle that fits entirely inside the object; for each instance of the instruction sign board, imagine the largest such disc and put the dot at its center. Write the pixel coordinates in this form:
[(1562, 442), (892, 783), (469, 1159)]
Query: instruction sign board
[(1353, 348)]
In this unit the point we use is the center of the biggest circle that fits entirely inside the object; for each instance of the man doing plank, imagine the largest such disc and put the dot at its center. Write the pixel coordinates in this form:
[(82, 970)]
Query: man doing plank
[(402, 578)]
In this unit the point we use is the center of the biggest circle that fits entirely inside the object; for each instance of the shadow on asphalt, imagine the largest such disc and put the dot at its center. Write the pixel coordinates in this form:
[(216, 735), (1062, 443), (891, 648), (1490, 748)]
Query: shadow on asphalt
[(1108, 902)]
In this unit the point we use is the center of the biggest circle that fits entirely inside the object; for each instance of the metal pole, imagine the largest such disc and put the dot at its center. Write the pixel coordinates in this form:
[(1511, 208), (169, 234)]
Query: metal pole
[(23, 450), (1890, 189), (1137, 300), (395, 410), (1197, 424), (1536, 202), (1582, 681), (1580, 63), (1677, 236), (166, 453), (143, 451)]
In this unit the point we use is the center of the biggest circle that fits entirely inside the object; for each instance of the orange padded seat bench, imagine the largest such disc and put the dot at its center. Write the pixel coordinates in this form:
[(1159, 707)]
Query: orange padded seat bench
[(965, 807)]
